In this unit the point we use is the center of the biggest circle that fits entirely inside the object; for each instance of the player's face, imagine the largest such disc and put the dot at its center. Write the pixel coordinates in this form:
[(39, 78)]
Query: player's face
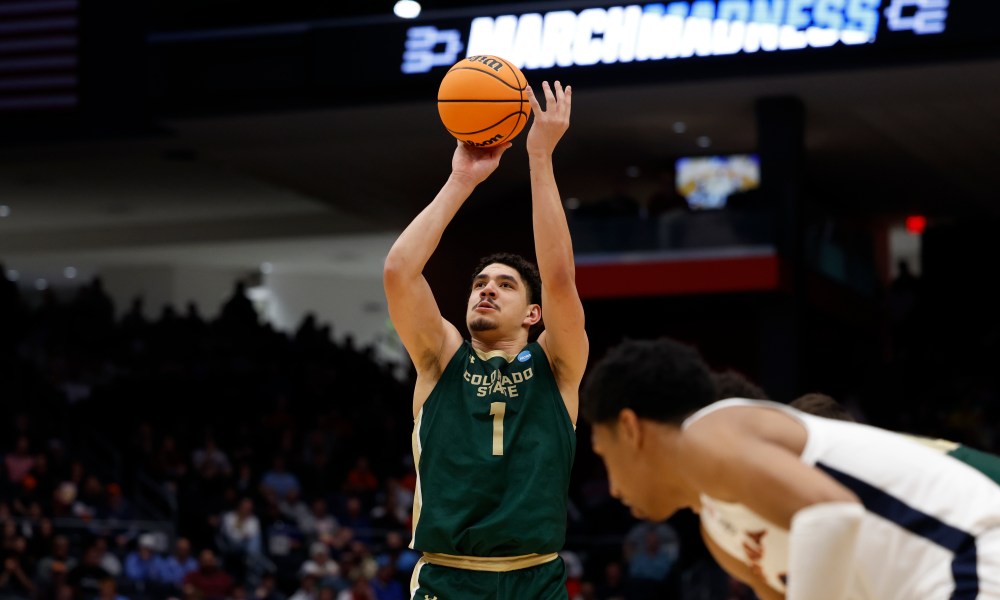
[(498, 300), (632, 478)]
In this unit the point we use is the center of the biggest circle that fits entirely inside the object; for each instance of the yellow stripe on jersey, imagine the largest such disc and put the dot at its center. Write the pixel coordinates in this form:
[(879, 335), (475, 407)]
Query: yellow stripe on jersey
[(496, 564)]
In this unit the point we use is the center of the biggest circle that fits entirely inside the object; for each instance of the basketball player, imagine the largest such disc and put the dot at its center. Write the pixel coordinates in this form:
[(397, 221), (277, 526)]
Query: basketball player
[(826, 406), (793, 504), (494, 432), (732, 384)]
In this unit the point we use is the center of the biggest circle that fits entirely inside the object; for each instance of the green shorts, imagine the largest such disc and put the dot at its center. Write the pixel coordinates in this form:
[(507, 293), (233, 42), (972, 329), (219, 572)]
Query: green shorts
[(437, 582)]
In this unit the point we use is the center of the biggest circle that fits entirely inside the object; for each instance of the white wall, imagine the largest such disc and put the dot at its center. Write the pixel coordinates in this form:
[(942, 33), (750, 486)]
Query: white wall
[(155, 283), (160, 285), (904, 246), (208, 287), (349, 303)]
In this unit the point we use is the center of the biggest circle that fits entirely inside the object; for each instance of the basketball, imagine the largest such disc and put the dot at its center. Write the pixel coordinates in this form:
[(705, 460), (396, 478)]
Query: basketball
[(483, 101)]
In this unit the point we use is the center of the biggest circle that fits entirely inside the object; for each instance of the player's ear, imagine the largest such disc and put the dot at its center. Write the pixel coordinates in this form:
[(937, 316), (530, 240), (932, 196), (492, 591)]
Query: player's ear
[(534, 315), (629, 428)]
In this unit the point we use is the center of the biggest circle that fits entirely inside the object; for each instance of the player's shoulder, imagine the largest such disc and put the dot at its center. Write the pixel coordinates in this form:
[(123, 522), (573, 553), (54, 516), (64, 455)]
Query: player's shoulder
[(715, 432), (734, 414), (727, 428)]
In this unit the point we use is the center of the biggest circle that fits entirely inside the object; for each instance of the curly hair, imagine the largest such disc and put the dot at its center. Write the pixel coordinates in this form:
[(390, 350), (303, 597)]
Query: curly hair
[(662, 380), (823, 406), (730, 383)]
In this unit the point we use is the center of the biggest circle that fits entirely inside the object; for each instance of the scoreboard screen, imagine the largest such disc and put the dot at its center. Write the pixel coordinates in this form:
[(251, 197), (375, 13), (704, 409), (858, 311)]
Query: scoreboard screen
[(683, 31), (39, 44)]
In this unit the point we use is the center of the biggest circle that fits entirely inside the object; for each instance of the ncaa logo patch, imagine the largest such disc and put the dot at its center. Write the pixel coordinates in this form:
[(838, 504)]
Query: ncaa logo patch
[(524, 356)]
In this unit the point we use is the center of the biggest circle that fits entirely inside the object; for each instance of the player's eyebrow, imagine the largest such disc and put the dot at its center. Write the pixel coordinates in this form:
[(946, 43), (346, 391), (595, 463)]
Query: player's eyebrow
[(502, 276)]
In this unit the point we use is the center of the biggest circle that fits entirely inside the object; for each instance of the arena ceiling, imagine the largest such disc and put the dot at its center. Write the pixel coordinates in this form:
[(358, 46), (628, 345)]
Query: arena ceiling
[(881, 143)]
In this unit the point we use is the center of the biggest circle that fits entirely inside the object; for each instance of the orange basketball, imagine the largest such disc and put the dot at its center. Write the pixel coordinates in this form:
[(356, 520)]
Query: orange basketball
[(483, 101)]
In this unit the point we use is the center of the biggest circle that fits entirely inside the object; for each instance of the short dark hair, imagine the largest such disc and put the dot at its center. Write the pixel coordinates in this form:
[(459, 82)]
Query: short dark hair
[(822, 405), (524, 267), (730, 383), (663, 380)]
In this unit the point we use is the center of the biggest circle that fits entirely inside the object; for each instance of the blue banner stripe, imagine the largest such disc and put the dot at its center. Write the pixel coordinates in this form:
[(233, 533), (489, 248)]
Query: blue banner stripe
[(961, 543)]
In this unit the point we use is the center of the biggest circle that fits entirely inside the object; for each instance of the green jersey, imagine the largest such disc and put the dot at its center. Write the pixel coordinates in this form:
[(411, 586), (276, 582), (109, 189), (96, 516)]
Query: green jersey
[(493, 446)]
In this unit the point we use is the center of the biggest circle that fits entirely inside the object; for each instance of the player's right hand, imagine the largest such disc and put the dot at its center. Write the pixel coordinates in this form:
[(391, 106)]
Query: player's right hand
[(476, 164)]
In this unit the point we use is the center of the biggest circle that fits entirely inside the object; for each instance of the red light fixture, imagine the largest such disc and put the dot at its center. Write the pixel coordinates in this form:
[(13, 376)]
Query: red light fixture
[(916, 224)]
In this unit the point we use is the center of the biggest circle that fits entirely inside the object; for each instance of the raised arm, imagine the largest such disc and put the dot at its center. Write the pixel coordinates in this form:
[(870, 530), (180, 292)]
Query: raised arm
[(429, 339), (564, 339)]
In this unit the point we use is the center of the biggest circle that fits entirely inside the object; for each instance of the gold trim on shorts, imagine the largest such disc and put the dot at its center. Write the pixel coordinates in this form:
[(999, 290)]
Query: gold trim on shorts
[(496, 564)]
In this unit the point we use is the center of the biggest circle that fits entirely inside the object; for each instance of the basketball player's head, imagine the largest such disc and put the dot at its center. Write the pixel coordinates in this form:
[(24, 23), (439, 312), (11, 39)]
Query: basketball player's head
[(823, 406), (733, 384), (661, 380), (505, 296), (639, 390)]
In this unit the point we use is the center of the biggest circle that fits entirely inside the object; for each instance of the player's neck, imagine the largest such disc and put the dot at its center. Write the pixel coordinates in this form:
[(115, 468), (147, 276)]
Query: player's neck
[(510, 346), (680, 489)]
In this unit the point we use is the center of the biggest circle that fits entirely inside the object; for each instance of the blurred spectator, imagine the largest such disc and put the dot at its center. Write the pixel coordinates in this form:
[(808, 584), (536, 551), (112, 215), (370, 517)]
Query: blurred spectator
[(397, 554), (86, 577), (308, 586), (19, 461), (109, 590), (359, 590), (358, 562), (107, 559), (385, 586), (319, 525), (58, 560), (141, 563), (279, 419), (208, 581), (17, 574), (320, 563), (398, 505), (238, 312), (171, 570), (651, 550), (168, 462), (293, 507), (267, 589), (90, 498), (63, 499), (40, 532), (360, 480), (574, 572), (278, 480), (56, 588), (117, 510), (284, 543), (210, 458), (43, 480), (356, 519), (244, 483), (611, 586), (241, 529)]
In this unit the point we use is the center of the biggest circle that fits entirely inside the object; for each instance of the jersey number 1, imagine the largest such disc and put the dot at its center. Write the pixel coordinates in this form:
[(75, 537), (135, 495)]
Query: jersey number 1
[(498, 410)]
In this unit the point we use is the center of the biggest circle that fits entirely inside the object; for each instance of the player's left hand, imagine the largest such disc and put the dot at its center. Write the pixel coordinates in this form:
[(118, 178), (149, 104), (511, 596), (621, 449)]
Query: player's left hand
[(549, 124)]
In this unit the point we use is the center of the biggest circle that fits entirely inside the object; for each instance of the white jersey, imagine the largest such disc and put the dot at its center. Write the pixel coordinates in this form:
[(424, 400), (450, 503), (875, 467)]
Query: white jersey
[(931, 528)]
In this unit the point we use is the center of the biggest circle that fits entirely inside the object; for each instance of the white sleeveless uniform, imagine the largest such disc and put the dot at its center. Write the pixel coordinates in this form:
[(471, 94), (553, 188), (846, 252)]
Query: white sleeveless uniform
[(932, 523)]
